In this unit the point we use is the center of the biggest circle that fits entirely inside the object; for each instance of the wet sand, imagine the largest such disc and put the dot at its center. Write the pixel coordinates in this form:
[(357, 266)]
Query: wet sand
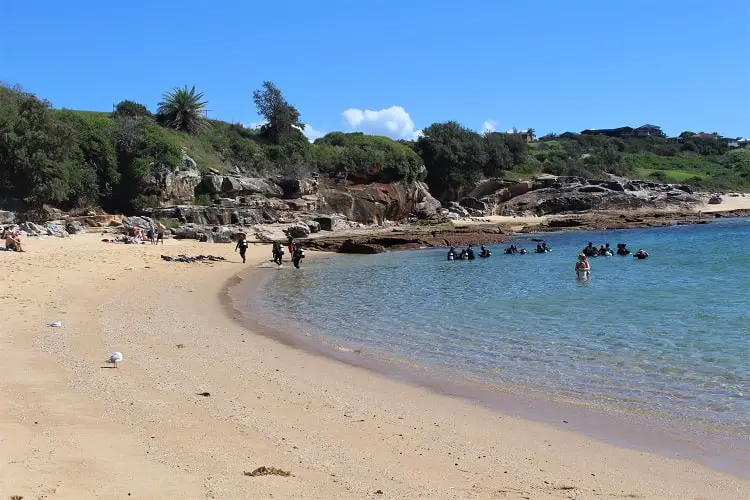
[(71, 428)]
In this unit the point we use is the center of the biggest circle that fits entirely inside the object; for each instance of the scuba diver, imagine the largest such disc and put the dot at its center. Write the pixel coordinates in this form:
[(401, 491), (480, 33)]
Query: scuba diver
[(640, 254), (523, 251), (484, 252), (452, 254), (298, 255), (540, 249), (590, 250), (464, 255), (278, 253), (511, 250), (470, 253), (622, 249), (605, 251), (545, 247)]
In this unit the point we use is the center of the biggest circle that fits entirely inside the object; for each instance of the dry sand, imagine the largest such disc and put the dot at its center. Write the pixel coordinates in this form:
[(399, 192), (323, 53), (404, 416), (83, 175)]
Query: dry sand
[(732, 201), (72, 429)]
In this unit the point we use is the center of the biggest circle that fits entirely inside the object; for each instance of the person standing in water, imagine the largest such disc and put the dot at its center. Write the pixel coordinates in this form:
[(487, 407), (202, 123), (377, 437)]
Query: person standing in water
[(583, 268), (242, 245)]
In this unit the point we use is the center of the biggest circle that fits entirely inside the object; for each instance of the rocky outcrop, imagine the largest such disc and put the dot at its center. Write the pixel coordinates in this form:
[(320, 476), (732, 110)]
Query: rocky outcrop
[(376, 202), (74, 227), (351, 246), (554, 195)]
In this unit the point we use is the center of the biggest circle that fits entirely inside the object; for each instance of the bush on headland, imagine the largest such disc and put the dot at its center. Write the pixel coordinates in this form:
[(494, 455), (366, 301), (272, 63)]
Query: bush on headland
[(77, 159)]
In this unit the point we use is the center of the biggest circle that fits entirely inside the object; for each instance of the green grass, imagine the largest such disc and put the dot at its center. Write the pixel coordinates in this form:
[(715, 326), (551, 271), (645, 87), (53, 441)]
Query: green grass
[(673, 175)]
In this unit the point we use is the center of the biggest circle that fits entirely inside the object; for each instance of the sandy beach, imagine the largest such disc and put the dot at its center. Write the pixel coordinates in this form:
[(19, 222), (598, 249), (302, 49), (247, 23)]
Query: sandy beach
[(72, 427)]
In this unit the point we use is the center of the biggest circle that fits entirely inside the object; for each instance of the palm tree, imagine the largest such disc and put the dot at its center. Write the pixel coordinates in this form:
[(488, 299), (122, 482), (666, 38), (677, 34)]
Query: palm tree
[(182, 109)]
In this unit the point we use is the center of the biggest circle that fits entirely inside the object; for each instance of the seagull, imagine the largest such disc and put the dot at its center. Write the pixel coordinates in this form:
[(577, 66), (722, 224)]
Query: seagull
[(114, 358)]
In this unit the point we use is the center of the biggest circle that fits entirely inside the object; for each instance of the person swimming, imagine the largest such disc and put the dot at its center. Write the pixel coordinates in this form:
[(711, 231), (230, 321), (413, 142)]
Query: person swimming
[(452, 254), (583, 268), (641, 254), (622, 249), (590, 250)]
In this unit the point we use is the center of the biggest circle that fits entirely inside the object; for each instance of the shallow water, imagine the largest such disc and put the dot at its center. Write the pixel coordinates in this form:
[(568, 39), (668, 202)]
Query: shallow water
[(667, 337)]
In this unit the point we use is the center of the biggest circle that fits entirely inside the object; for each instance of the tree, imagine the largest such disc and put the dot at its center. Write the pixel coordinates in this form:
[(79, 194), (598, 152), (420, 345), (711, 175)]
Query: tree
[(182, 109), (282, 119), (35, 149), (453, 155), (130, 109)]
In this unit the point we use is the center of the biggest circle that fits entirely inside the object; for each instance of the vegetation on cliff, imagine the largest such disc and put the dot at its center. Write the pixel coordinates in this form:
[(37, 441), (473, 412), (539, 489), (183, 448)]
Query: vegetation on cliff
[(80, 159)]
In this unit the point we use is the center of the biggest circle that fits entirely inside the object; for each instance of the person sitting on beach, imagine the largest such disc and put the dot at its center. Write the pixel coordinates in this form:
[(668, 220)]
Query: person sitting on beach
[(640, 254), (452, 254), (583, 268), (242, 245), (13, 241)]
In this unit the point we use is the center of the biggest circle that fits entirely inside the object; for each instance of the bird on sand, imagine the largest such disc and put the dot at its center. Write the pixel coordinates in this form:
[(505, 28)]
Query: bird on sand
[(114, 358)]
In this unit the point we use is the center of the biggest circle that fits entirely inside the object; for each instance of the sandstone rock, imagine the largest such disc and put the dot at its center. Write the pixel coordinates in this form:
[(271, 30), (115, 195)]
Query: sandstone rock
[(298, 230), (74, 227), (32, 229), (295, 188), (7, 217), (222, 235), (350, 246), (474, 204), (593, 189), (137, 221), (715, 200), (211, 184), (328, 222), (313, 225)]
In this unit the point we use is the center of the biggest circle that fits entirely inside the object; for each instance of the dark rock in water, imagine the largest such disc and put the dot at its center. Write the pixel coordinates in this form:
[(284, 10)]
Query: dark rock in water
[(564, 223), (74, 227), (350, 246)]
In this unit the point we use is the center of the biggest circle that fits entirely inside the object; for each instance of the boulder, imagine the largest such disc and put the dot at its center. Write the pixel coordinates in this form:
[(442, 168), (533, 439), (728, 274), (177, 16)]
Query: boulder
[(74, 227), (7, 217), (313, 225), (32, 229), (222, 235), (211, 184), (188, 232), (328, 222), (715, 200), (138, 221), (351, 246), (298, 230), (296, 188), (473, 203)]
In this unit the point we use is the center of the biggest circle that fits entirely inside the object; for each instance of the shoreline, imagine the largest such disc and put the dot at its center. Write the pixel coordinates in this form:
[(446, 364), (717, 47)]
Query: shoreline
[(716, 449), (73, 430)]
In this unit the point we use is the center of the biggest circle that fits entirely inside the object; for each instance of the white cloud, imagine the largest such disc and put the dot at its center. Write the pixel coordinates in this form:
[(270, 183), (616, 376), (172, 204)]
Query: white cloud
[(489, 126), (393, 122), (312, 133)]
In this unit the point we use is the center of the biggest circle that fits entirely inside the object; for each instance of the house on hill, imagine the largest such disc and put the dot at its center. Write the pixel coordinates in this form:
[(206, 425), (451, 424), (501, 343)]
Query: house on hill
[(648, 131), (705, 135), (627, 132)]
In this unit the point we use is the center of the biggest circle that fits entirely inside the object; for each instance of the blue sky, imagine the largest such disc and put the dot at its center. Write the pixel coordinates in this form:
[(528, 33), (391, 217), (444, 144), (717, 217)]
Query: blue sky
[(548, 65)]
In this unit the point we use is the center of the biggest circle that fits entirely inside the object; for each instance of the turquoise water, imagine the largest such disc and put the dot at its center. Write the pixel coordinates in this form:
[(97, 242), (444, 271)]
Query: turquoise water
[(668, 336)]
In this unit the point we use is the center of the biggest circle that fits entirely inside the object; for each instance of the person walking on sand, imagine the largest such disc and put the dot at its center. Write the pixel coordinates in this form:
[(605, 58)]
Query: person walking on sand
[(242, 245), (160, 233), (583, 268)]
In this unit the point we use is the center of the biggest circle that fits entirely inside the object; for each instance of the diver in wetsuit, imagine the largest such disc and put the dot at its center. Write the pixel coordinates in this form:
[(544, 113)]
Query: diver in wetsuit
[(641, 254), (452, 254), (484, 252), (297, 255), (622, 249), (470, 253)]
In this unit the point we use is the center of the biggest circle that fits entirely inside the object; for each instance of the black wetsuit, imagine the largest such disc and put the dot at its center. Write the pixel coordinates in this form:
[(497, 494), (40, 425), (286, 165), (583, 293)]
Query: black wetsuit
[(242, 245)]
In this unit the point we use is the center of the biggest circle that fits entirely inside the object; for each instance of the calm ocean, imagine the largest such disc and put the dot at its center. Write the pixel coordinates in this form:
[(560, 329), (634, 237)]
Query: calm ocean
[(666, 337)]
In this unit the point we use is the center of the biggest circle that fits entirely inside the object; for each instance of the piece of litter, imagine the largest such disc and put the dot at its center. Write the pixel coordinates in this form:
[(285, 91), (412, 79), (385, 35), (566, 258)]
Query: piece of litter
[(204, 394), (55, 324)]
